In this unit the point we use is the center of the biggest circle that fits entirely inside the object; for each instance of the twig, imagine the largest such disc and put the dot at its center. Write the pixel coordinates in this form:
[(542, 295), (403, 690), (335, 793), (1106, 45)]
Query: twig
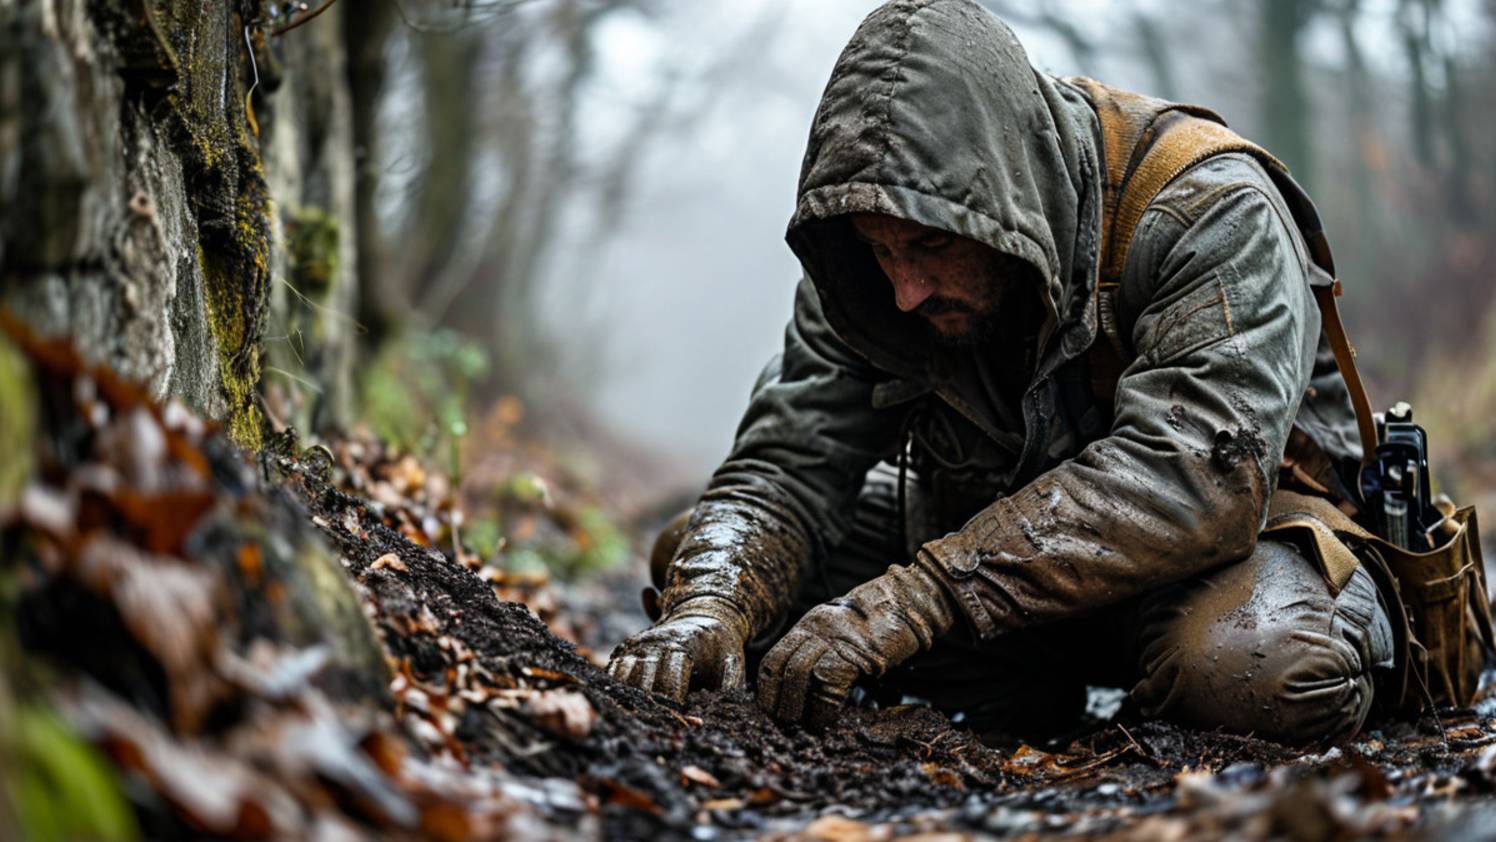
[(304, 18), (1123, 729)]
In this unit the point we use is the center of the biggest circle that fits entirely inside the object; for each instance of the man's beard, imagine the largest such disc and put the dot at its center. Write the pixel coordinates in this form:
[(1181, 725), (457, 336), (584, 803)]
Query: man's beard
[(980, 325)]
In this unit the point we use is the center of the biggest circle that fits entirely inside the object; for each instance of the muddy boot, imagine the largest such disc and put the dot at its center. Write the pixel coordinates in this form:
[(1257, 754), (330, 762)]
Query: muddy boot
[(1264, 647)]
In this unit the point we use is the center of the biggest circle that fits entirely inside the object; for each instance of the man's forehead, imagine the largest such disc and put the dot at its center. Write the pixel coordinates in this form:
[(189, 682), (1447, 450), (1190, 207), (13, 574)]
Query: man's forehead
[(885, 228)]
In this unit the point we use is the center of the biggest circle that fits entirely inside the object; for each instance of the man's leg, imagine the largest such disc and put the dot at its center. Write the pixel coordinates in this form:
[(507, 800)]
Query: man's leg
[(1263, 647)]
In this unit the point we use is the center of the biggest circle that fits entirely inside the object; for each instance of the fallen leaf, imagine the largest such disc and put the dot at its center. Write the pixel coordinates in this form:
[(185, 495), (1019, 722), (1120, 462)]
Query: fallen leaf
[(842, 829), (171, 609), (389, 560), (251, 563), (698, 775), (565, 713), (623, 795), (941, 776), (548, 675)]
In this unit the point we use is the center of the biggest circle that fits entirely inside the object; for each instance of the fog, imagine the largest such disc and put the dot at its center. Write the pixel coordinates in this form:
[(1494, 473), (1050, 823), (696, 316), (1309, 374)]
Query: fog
[(688, 298)]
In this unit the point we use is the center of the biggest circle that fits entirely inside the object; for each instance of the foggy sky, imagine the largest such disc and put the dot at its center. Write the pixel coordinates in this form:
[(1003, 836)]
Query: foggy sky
[(676, 312)]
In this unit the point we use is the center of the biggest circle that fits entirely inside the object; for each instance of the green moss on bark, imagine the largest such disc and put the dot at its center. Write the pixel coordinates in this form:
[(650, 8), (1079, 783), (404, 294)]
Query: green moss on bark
[(230, 197), (17, 422), (314, 238)]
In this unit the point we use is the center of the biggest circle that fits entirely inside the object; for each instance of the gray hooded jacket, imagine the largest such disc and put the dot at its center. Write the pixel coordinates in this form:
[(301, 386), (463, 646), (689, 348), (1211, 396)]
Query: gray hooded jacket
[(1036, 500)]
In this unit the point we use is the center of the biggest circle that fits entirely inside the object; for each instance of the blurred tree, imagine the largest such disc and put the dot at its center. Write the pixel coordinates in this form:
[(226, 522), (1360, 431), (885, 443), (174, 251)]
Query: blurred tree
[(1287, 126), (367, 37), (1157, 54), (1058, 19), (503, 163)]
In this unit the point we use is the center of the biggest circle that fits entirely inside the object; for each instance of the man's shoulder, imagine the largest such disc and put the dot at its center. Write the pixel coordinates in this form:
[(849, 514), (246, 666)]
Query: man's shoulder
[(1190, 195), (1218, 211)]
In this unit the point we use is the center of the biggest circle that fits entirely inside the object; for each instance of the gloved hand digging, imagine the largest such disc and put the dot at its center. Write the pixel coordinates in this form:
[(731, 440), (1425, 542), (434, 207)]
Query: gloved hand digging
[(874, 627), (698, 645)]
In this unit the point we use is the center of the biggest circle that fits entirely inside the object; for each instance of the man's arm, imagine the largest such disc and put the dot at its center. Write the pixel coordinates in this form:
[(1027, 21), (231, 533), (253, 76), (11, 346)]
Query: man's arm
[(782, 497), (1225, 335), (1225, 338), (784, 494)]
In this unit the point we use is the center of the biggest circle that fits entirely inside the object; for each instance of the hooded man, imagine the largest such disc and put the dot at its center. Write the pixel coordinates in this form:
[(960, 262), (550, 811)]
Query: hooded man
[(928, 489)]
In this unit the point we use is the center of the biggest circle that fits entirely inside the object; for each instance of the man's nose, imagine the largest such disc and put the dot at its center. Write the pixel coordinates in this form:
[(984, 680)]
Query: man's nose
[(910, 289)]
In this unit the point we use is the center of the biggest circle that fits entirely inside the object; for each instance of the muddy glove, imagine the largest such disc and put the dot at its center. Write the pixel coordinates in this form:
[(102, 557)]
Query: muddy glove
[(875, 626), (699, 645)]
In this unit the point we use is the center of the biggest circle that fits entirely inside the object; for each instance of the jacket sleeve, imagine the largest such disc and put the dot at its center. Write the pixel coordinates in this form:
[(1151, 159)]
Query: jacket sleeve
[(787, 489), (1225, 328)]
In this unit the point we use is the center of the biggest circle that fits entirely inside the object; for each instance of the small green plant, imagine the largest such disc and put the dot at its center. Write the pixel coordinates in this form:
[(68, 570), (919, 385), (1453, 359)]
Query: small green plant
[(483, 537), (601, 545), (417, 394), (62, 787)]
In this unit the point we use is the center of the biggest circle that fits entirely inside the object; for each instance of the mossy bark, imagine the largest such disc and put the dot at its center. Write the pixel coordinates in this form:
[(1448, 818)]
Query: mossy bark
[(138, 216)]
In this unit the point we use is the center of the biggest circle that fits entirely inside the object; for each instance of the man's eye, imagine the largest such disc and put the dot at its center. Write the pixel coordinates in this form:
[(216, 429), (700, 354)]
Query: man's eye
[(934, 242)]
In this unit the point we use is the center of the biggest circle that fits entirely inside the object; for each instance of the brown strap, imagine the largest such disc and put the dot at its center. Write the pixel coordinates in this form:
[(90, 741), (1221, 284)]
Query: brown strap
[(1345, 359), (1323, 521), (1182, 143), (1147, 143)]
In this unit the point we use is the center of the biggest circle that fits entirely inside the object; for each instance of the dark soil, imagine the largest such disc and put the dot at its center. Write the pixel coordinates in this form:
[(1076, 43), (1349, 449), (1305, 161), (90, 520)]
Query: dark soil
[(720, 766), (477, 722), (633, 755)]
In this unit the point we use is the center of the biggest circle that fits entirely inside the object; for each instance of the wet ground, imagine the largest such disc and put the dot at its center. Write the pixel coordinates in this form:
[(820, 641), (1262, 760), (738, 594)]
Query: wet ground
[(720, 768), (175, 591)]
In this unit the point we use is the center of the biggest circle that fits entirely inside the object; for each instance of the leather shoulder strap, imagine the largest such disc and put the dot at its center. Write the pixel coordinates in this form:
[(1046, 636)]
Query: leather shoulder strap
[(1148, 142)]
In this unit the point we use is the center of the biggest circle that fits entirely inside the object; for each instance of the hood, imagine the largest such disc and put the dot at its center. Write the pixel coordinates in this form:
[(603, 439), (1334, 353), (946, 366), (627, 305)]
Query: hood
[(933, 114)]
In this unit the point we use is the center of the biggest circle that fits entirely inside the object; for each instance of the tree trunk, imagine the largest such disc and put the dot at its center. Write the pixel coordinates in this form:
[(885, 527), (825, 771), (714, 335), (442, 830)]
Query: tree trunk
[(1285, 97), (136, 210)]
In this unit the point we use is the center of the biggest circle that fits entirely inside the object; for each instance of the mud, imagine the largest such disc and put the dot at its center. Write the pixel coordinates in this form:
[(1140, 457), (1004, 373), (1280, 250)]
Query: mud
[(486, 700), (634, 755), (719, 768)]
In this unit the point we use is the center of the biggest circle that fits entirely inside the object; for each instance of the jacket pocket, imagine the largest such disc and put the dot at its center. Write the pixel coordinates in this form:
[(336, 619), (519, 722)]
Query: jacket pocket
[(1200, 318)]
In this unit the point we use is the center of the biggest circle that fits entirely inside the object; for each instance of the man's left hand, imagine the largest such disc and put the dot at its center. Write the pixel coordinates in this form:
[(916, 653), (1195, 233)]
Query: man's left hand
[(875, 626)]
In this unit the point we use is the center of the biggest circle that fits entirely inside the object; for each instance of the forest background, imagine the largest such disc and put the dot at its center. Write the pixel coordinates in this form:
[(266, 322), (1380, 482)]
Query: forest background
[(495, 276), (421, 213)]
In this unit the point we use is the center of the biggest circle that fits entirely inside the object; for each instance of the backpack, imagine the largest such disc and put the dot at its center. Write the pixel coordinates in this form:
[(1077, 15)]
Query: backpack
[(1437, 601)]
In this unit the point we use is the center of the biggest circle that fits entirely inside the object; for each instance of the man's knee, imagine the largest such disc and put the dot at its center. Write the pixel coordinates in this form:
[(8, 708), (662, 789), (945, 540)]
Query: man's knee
[(1264, 647)]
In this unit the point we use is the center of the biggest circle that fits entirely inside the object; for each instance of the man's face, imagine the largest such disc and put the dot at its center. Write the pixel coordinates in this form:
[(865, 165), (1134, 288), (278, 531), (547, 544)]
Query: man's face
[(954, 283)]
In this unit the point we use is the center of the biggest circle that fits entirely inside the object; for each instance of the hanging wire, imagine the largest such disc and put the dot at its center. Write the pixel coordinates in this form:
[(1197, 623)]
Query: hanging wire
[(327, 4)]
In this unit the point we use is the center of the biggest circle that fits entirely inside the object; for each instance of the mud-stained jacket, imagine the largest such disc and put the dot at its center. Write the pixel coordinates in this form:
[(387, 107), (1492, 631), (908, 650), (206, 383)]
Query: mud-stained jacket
[(1034, 498)]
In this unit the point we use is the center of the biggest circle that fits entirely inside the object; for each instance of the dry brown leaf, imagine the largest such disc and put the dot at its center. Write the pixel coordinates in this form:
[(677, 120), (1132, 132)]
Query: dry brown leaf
[(941, 776), (623, 795), (548, 675), (251, 563), (164, 520), (726, 804), (391, 561), (697, 775), (842, 829), (445, 821), (212, 791), (565, 713), (171, 609)]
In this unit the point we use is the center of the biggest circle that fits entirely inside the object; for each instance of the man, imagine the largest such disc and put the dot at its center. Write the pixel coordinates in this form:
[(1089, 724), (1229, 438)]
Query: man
[(930, 477)]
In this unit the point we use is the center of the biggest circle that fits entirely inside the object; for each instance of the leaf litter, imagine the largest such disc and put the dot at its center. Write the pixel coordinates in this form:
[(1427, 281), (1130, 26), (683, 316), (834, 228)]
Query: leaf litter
[(165, 580)]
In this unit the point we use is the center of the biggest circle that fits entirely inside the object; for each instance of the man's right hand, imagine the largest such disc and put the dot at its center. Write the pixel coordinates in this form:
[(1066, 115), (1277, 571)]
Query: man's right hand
[(699, 645)]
